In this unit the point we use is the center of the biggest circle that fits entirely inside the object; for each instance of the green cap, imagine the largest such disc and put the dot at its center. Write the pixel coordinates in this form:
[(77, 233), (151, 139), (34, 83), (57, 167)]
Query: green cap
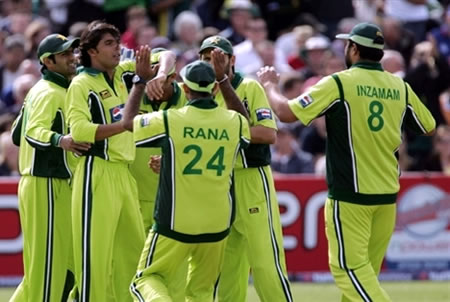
[(54, 44), (365, 34), (156, 55), (217, 42), (199, 76)]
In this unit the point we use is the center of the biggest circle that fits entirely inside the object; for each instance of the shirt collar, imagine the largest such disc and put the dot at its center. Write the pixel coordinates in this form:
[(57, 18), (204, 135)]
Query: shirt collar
[(237, 80), (204, 103), (368, 65), (56, 78)]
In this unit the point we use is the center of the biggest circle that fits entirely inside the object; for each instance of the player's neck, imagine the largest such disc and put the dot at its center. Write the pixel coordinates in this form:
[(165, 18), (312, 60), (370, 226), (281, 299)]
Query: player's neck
[(102, 68)]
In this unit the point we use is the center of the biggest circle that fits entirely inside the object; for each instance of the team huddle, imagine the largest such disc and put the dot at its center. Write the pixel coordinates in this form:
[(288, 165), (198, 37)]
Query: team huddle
[(136, 187)]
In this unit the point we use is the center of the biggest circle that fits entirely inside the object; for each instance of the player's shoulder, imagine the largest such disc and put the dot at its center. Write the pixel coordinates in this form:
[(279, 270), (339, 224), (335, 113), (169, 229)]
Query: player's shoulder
[(42, 88)]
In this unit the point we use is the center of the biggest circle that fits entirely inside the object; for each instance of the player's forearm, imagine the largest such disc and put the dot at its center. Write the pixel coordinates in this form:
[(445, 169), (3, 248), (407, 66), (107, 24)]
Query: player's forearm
[(166, 62), (132, 106), (279, 103), (231, 99), (263, 135), (108, 130)]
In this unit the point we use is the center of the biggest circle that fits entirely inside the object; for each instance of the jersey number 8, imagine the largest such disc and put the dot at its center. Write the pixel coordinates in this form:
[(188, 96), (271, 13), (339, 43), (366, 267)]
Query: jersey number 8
[(375, 119)]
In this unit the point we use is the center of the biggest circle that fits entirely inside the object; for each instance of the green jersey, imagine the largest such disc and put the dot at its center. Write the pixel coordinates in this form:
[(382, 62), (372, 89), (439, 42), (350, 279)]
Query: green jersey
[(200, 143), (365, 109), (255, 102), (96, 100), (39, 128), (139, 169)]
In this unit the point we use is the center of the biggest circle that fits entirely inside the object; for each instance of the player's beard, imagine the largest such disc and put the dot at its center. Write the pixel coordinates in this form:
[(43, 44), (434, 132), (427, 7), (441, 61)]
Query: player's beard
[(348, 60)]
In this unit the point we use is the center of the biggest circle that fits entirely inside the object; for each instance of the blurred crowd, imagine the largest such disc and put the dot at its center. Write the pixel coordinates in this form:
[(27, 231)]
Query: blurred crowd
[(296, 37)]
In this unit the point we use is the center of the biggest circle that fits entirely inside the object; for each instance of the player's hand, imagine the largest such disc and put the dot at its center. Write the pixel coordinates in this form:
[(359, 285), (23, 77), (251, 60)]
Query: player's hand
[(155, 87), (267, 75), (143, 66), (155, 163), (68, 144), (218, 62)]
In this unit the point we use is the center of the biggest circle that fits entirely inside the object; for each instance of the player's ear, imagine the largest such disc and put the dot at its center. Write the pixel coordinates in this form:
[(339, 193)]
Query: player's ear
[(92, 52), (47, 61), (185, 89), (172, 77), (232, 60)]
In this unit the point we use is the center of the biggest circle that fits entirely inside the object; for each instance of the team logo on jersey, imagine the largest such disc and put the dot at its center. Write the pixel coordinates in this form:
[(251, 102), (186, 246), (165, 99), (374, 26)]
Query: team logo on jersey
[(145, 121), (305, 100), (105, 94), (116, 113), (253, 210), (263, 114)]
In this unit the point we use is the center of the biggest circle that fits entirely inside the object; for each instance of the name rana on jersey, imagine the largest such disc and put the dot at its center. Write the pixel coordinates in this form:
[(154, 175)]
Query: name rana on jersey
[(377, 92), (215, 134)]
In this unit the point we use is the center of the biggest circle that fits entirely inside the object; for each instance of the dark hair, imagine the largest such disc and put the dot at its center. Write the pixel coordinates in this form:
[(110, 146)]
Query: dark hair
[(44, 67), (92, 35), (369, 53), (199, 94)]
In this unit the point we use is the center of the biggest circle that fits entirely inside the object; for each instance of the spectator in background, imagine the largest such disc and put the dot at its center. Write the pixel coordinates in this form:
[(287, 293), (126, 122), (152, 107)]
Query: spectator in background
[(429, 76), (398, 38), (439, 158), (256, 52), (20, 88), (164, 12), (35, 32), (17, 22), (314, 139), (188, 31), (287, 41), (344, 26), (291, 84), (413, 13), (239, 15), (301, 33), (210, 13), (441, 36), (136, 19), (76, 29), (393, 62), (9, 152), (442, 147), (287, 157), (13, 55), (146, 34), (316, 49), (444, 100), (367, 10)]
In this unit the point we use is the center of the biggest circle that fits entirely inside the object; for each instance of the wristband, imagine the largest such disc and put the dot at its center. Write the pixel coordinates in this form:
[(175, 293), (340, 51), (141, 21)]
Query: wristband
[(223, 80)]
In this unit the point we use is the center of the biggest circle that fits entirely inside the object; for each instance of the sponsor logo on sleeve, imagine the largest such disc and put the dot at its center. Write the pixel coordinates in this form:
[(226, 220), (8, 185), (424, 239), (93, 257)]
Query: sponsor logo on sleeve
[(116, 113), (305, 100), (263, 114)]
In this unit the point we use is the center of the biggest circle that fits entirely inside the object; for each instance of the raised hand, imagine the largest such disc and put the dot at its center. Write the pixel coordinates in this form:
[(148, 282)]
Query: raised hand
[(219, 63), (154, 88), (143, 66), (268, 75)]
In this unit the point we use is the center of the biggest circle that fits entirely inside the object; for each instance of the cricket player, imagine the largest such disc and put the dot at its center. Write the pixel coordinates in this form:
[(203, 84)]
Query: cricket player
[(255, 240), (194, 208), (108, 230), (44, 194), (172, 97), (365, 109)]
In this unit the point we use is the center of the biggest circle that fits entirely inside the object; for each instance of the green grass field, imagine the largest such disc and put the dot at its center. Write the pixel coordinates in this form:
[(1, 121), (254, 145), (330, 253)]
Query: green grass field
[(310, 292)]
